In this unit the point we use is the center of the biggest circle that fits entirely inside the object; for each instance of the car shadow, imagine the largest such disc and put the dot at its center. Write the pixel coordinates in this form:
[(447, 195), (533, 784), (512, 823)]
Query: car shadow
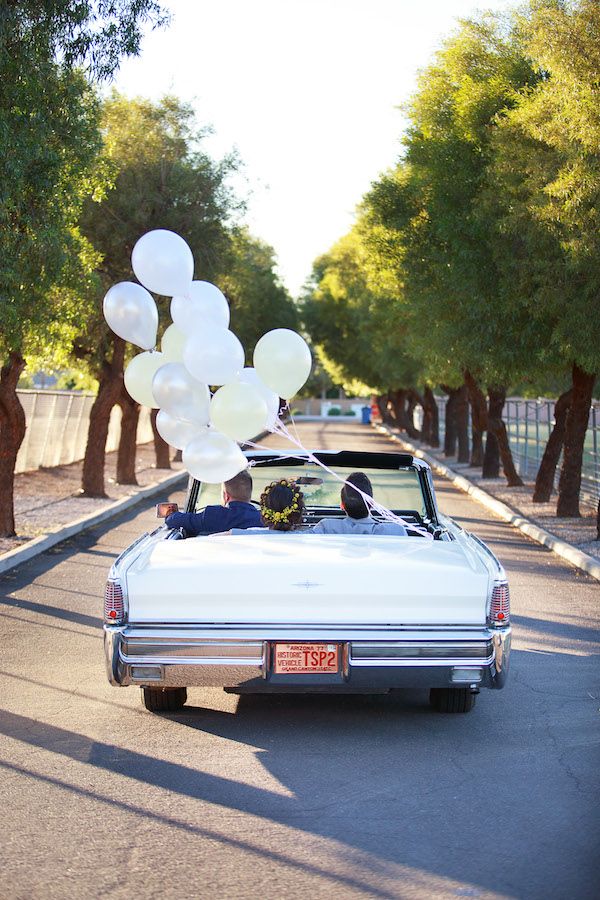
[(383, 774)]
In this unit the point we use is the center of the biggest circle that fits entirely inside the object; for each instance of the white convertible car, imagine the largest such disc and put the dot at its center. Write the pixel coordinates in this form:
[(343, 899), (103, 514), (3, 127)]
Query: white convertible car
[(305, 612)]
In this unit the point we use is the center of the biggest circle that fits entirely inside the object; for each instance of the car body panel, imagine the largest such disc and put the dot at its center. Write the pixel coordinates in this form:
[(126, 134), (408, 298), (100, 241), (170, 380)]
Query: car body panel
[(310, 578), (402, 611)]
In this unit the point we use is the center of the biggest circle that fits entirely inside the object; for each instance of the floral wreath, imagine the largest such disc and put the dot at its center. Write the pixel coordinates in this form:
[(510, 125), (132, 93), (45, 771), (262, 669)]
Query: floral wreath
[(270, 515)]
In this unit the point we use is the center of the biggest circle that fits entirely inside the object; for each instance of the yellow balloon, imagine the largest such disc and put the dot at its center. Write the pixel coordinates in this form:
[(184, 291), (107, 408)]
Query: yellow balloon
[(238, 410), (282, 361), (172, 343), (139, 374)]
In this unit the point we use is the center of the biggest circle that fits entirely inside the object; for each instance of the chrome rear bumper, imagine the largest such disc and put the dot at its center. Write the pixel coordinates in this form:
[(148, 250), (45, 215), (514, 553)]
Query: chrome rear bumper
[(241, 657)]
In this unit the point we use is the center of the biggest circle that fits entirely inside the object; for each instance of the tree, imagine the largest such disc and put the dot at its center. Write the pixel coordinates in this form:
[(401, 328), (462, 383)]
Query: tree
[(545, 187), (49, 141), (357, 328), (258, 300), (48, 120), (440, 237), (161, 179)]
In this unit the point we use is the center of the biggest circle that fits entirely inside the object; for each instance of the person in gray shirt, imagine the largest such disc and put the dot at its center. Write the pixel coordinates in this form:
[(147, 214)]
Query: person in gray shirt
[(358, 520)]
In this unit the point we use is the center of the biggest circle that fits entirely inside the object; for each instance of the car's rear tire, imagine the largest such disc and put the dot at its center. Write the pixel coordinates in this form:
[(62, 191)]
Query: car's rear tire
[(164, 699), (452, 700)]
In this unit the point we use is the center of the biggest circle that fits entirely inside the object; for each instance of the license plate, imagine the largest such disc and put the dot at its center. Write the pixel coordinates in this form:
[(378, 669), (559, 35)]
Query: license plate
[(302, 658)]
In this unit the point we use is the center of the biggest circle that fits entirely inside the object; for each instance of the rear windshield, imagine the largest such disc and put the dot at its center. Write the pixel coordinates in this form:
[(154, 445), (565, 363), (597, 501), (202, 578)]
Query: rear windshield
[(398, 490)]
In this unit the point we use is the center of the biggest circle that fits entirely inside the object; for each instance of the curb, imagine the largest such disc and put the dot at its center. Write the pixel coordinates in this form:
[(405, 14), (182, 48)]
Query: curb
[(576, 557), (39, 545)]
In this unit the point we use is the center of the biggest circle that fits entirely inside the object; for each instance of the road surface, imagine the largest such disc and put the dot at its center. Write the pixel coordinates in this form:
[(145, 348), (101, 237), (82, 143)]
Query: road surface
[(299, 797)]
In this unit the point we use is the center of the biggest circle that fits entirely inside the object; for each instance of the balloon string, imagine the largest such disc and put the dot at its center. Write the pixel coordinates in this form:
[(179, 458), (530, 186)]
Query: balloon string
[(371, 503), (386, 514), (293, 421)]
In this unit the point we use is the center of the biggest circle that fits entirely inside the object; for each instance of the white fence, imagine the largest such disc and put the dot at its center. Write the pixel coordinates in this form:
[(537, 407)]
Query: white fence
[(316, 407), (529, 423), (57, 427)]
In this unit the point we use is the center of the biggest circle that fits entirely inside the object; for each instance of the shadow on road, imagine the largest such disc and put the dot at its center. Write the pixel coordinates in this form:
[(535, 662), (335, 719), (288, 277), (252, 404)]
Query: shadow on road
[(380, 774)]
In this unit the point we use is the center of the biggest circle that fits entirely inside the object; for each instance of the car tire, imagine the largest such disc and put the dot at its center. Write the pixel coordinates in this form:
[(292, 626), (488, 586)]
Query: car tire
[(452, 700), (164, 699)]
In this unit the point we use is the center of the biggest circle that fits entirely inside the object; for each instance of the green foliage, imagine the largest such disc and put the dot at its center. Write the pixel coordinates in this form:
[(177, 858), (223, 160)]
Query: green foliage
[(544, 186), (258, 300), (49, 145), (76, 380), (92, 34), (426, 221), (161, 178), (484, 239), (49, 141), (357, 327)]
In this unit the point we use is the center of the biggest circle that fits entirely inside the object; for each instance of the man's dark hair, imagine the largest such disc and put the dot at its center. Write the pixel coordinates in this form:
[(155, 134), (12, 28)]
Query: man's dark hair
[(354, 504), (240, 486)]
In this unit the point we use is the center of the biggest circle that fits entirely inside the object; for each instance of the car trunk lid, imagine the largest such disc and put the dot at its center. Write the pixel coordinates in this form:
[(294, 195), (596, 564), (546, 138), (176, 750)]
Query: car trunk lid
[(308, 578)]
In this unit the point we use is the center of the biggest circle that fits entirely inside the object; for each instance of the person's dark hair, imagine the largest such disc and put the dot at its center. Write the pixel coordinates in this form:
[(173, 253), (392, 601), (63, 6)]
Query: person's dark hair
[(354, 504), (240, 486), (282, 505)]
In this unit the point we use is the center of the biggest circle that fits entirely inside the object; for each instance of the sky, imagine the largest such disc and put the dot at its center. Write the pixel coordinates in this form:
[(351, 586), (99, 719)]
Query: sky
[(306, 91)]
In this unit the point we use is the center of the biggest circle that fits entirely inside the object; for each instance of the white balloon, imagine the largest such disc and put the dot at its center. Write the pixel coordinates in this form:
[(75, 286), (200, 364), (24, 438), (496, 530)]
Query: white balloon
[(139, 374), (176, 391), (172, 344), (250, 376), (213, 355), (283, 361), (212, 457), (163, 262), (132, 314), (238, 411), (175, 431), (204, 304)]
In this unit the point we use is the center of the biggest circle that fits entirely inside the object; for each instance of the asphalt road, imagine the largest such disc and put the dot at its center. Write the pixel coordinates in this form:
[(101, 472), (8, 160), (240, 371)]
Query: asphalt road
[(300, 797)]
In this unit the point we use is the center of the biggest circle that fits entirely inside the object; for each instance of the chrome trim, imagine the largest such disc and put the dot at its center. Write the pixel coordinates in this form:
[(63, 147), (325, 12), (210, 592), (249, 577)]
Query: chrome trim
[(180, 649), (238, 655), (418, 650), (487, 550)]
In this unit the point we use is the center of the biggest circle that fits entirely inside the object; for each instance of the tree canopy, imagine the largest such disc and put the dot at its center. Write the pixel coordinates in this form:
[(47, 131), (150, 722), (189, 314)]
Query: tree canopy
[(485, 233), (257, 299)]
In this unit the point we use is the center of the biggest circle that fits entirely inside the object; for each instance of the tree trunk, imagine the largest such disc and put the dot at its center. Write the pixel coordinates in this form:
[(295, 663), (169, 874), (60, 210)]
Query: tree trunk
[(128, 438), (544, 482), (382, 403), (398, 401), (111, 382), (575, 429), (496, 426), (414, 400), (12, 432), (451, 432), (491, 457), (598, 523), (432, 417), (161, 448), (479, 418), (476, 445), (462, 424), (427, 421)]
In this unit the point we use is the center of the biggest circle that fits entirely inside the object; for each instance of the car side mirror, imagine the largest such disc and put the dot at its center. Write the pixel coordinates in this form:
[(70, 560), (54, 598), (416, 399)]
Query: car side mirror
[(165, 509)]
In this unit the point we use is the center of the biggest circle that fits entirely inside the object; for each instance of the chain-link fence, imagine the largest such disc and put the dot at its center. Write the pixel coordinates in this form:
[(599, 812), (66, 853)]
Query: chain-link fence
[(57, 427), (529, 423)]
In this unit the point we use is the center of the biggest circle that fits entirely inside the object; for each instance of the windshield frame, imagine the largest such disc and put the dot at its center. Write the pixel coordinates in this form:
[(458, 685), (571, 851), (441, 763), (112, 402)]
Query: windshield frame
[(355, 459)]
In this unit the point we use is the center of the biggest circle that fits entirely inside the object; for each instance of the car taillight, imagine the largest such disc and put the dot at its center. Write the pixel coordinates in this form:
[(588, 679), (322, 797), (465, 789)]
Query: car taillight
[(114, 603), (500, 604)]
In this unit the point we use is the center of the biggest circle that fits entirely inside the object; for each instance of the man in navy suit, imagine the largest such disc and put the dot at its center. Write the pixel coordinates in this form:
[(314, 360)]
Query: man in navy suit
[(236, 511)]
